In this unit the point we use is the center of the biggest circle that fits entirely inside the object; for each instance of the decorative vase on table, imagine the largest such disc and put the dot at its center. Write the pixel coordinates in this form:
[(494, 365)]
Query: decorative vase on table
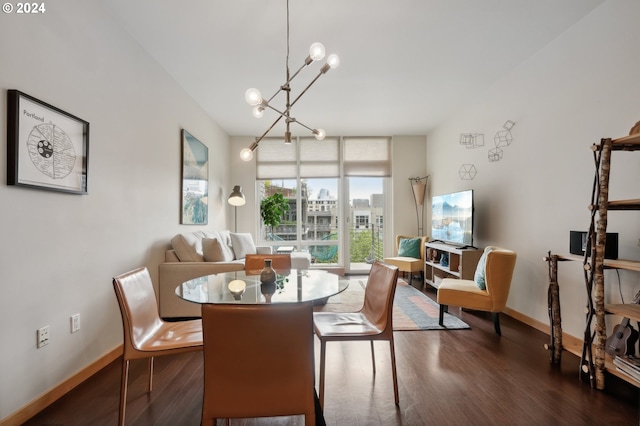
[(268, 274)]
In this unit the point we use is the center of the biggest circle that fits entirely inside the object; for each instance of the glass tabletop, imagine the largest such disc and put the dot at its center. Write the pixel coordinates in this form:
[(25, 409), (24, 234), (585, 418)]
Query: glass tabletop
[(291, 286)]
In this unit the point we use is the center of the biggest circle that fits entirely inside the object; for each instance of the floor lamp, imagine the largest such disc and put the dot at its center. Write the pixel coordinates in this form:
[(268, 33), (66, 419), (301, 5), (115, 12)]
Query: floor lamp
[(419, 188), (236, 199)]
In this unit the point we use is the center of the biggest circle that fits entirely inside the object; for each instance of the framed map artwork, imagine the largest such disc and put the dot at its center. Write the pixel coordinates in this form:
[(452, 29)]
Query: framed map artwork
[(195, 181), (47, 148)]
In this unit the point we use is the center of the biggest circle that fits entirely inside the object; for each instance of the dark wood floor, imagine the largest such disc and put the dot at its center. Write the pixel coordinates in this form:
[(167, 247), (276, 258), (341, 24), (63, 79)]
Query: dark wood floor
[(461, 377)]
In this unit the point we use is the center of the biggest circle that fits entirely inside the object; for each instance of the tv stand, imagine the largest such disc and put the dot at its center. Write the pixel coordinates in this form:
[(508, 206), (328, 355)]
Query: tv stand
[(462, 262)]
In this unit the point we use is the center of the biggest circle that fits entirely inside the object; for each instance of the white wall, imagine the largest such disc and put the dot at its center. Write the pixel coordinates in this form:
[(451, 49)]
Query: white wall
[(581, 87), (409, 159), (60, 251)]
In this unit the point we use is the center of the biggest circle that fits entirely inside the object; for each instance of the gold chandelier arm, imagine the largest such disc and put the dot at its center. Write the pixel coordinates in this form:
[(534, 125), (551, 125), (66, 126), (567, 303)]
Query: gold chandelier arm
[(307, 88), (276, 110), (307, 61), (267, 131), (302, 124)]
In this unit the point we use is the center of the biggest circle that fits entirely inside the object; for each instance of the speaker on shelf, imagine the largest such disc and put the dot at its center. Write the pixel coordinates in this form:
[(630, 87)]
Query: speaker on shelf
[(578, 244)]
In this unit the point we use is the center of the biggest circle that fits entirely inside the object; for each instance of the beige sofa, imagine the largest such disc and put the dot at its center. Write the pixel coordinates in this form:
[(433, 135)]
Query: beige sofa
[(196, 254)]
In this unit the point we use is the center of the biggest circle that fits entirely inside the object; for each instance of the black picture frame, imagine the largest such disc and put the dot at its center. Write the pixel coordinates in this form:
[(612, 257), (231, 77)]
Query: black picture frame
[(195, 181), (47, 148)]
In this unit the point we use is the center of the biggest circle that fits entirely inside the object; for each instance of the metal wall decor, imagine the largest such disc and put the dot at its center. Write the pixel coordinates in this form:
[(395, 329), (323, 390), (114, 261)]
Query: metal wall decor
[(472, 140), (503, 138), (467, 171)]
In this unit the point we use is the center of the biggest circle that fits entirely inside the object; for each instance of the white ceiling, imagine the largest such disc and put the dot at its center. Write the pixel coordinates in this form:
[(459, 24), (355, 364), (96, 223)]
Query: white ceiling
[(405, 64)]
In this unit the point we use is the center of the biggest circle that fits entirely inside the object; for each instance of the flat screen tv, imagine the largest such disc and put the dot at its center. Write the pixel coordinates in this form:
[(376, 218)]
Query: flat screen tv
[(452, 218)]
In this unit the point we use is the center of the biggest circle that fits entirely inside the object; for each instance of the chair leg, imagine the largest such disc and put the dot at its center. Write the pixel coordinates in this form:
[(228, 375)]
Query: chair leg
[(443, 309), (123, 391), (496, 322), (150, 387), (393, 370), (323, 347), (373, 358)]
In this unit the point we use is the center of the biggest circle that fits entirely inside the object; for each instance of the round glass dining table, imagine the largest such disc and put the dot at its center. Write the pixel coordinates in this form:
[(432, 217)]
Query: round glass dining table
[(291, 286)]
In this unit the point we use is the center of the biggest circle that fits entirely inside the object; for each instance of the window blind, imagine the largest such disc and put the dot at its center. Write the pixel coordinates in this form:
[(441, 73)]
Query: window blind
[(276, 159), (367, 156), (362, 157), (318, 159)]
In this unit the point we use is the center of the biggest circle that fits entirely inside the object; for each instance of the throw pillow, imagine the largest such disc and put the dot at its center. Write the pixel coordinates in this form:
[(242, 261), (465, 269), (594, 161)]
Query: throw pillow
[(409, 247), (242, 245), (479, 276), (188, 246), (214, 251)]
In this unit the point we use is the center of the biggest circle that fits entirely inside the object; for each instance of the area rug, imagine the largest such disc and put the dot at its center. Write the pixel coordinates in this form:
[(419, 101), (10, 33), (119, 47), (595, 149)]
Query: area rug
[(412, 310)]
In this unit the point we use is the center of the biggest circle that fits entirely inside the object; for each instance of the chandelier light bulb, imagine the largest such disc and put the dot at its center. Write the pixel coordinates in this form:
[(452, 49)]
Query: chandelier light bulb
[(333, 60), (253, 96), (258, 111), (246, 154), (320, 134), (316, 51)]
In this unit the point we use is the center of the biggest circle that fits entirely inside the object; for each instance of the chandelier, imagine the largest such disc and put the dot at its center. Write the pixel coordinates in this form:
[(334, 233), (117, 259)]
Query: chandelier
[(255, 99)]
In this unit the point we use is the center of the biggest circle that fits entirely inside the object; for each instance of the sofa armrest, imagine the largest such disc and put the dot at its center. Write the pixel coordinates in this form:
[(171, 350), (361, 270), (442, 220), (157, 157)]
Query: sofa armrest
[(264, 250), (172, 274)]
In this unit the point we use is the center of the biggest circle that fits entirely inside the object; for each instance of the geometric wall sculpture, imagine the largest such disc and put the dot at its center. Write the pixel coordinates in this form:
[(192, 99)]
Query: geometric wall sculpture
[(467, 171)]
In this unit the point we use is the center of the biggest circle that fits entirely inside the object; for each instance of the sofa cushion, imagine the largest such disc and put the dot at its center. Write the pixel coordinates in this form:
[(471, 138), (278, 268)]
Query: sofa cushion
[(409, 247), (242, 244), (188, 246), (214, 250)]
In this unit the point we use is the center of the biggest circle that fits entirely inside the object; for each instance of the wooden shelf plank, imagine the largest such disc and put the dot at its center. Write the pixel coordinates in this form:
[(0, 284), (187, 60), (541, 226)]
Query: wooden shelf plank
[(627, 310), (627, 265), (627, 142), (611, 368), (574, 257), (624, 204)]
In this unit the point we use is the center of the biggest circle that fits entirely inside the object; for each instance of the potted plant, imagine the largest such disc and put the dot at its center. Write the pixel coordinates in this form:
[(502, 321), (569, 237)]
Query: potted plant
[(272, 209)]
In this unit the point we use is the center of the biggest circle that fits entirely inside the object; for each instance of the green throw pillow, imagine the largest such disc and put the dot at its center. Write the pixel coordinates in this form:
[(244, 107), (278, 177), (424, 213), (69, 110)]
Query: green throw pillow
[(409, 247), (479, 276)]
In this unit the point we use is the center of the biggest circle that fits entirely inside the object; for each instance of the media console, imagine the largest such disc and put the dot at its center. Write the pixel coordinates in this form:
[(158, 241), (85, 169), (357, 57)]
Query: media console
[(462, 262)]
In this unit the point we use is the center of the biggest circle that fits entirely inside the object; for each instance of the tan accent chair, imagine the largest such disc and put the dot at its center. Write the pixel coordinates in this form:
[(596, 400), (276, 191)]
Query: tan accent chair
[(408, 264), (258, 361), (146, 335), (372, 322), (500, 264), (253, 263)]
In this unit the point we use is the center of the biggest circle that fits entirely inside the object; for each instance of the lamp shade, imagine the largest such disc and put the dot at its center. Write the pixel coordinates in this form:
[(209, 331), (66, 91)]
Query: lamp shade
[(419, 188), (237, 197)]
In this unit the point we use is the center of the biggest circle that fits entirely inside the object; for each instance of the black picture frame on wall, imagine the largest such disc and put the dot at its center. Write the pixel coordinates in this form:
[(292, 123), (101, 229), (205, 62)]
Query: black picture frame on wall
[(195, 181), (47, 148)]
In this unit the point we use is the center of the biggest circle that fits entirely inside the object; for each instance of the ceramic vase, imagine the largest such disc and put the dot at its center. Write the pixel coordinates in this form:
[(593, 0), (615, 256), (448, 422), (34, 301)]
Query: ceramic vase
[(268, 274)]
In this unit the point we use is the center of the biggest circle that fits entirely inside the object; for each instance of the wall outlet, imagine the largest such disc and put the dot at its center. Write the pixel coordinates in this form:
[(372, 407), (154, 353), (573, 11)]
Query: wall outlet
[(43, 336), (75, 323)]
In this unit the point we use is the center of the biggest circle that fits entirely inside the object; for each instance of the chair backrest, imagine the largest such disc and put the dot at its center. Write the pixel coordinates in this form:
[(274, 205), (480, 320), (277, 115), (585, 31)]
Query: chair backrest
[(258, 360), (498, 273), (378, 295), (255, 262), (422, 241), (138, 305)]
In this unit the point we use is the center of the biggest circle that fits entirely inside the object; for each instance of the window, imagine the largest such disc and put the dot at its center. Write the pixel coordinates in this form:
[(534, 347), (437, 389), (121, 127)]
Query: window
[(308, 173)]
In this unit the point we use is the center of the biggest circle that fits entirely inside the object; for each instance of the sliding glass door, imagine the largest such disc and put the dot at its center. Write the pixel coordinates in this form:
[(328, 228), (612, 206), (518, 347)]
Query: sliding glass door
[(365, 222)]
